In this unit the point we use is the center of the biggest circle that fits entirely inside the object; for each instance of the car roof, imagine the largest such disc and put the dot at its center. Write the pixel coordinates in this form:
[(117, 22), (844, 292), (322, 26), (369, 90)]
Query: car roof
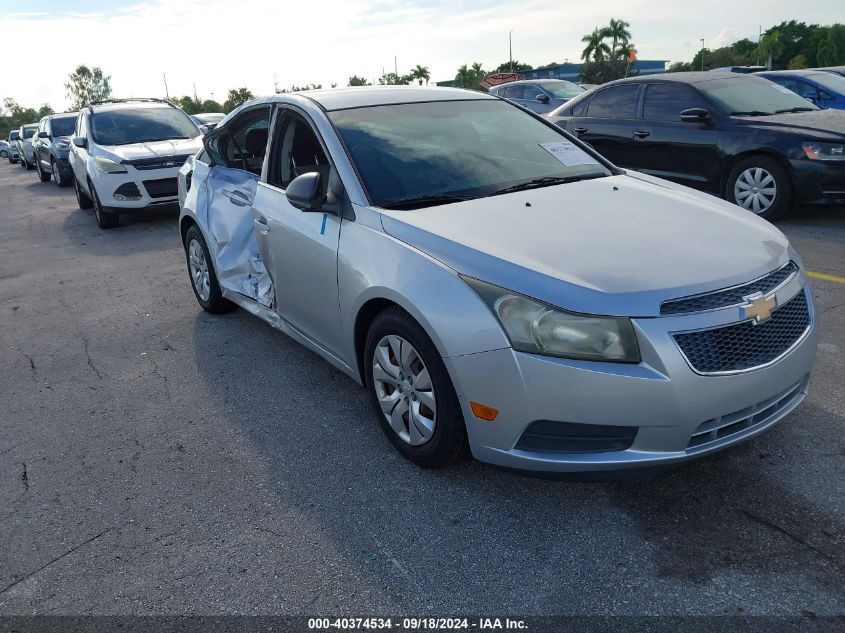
[(803, 72), (366, 96), (695, 77), (539, 80), (106, 106)]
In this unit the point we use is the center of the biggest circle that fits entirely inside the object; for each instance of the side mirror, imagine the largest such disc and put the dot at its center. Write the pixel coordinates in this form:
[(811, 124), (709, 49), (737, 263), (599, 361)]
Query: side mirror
[(695, 115), (43, 135), (305, 192), (80, 141), (542, 98)]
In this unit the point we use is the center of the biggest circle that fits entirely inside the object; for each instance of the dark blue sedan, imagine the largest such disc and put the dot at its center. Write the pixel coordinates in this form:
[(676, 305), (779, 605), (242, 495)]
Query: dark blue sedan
[(825, 89)]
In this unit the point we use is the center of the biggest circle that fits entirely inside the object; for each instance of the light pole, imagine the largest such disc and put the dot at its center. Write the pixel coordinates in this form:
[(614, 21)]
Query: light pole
[(702, 54), (510, 49)]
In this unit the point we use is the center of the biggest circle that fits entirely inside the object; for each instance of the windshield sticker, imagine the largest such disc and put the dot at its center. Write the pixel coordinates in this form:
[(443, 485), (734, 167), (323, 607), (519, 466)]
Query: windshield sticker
[(569, 154)]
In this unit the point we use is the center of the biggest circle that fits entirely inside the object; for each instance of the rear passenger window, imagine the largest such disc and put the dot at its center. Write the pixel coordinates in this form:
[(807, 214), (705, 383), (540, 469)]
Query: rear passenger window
[(665, 103), (618, 102), (514, 92), (532, 92)]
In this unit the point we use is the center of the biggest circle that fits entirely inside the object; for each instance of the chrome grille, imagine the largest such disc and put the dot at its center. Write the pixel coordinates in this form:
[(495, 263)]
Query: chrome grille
[(744, 345), (729, 296), (754, 416)]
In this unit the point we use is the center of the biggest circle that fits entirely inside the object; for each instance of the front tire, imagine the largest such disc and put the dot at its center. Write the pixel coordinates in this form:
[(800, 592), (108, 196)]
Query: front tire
[(761, 185), (60, 180), (41, 175), (411, 391), (203, 278), (105, 219), (82, 198)]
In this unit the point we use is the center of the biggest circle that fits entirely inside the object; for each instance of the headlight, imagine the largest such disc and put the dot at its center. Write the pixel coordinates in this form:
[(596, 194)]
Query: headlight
[(109, 166), (538, 328), (824, 151)]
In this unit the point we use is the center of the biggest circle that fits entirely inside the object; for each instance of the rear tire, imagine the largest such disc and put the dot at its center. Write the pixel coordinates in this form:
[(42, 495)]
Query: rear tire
[(422, 378), (105, 219), (761, 185), (82, 198), (201, 273)]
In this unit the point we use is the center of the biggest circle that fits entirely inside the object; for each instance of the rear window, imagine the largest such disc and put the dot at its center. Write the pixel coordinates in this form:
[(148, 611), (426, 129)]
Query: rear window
[(618, 102), (141, 125)]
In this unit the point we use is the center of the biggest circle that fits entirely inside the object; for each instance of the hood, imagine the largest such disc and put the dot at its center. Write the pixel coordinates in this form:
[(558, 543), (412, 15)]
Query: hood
[(154, 149), (615, 246), (817, 124)]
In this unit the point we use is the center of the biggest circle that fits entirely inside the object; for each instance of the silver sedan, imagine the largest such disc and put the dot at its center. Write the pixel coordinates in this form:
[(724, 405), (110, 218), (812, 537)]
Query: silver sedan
[(495, 283)]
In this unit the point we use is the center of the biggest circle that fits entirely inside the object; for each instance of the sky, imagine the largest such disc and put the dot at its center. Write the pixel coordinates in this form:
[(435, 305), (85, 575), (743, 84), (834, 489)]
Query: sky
[(215, 45)]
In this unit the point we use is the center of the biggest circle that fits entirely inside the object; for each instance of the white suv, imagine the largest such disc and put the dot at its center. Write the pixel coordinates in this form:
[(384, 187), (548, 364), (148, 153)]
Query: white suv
[(126, 153)]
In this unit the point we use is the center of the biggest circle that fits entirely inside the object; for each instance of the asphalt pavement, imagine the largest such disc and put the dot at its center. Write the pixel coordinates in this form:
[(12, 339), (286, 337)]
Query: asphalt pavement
[(155, 459)]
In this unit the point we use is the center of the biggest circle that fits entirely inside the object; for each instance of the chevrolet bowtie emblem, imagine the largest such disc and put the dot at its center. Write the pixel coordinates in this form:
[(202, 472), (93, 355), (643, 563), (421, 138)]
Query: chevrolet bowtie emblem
[(758, 307)]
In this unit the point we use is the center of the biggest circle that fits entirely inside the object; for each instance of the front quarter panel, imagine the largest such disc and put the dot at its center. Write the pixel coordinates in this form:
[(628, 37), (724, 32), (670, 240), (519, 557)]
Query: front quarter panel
[(373, 265)]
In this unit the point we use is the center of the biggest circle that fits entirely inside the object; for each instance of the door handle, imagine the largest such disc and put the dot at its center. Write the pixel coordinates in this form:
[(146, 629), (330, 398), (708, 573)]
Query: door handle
[(236, 197), (262, 225), (642, 133), (580, 130)]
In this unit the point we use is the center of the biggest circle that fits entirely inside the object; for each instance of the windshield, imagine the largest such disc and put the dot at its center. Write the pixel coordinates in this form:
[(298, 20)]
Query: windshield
[(14, 136), (63, 126), (141, 125), (562, 89), (211, 117), (29, 131), (752, 96), (458, 148), (834, 83)]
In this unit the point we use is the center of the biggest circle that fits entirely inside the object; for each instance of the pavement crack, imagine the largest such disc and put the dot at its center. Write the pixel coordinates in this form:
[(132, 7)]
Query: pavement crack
[(785, 532), (55, 560), (261, 529), (90, 361), (25, 477)]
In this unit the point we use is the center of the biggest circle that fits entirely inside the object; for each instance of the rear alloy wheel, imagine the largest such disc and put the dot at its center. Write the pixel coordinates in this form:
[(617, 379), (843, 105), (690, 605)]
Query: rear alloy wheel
[(23, 162), (82, 198), (105, 220), (411, 391), (203, 279), (41, 175), (759, 184)]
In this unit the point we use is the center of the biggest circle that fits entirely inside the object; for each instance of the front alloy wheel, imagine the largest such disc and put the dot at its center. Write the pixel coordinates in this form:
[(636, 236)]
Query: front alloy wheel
[(199, 270), (404, 390)]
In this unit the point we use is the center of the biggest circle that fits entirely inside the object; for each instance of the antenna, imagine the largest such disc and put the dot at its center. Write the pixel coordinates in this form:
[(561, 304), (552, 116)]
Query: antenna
[(166, 93)]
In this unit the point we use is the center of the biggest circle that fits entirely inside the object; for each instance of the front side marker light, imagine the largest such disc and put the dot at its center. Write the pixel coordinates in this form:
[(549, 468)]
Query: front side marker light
[(482, 411)]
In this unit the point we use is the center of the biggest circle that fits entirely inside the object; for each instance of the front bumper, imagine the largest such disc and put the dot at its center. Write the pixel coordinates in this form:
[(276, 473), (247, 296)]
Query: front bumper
[(679, 414), (150, 186), (818, 182)]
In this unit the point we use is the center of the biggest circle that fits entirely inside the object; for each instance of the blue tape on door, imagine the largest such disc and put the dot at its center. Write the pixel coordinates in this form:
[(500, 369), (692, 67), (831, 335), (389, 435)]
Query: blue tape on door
[(323, 225)]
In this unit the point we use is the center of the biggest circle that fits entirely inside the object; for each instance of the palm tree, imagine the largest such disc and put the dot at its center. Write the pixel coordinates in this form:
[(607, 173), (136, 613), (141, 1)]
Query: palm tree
[(464, 77), (479, 74), (420, 73), (771, 46), (596, 48), (617, 31)]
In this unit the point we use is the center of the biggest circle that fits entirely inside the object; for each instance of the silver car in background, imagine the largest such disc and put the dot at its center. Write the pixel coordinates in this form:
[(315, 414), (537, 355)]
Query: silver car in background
[(493, 281), (538, 95)]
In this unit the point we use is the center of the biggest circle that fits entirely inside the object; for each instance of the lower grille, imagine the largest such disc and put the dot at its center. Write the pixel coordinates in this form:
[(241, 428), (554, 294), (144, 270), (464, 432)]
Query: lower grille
[(548, 436), (743, 346), (161, 188), (747, 418)]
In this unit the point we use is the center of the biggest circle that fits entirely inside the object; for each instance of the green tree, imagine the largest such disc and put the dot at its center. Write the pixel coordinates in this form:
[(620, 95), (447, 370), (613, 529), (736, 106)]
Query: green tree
[(87, 84), (420, 73), (237, 97), (518, 67), (188, 104), (44, 110), (355, 80), (595, 48), (797, 63), (771, 46), (470, 77), (295, 88), (831, 48), (617, 31), (392, 79), (209, 105)]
